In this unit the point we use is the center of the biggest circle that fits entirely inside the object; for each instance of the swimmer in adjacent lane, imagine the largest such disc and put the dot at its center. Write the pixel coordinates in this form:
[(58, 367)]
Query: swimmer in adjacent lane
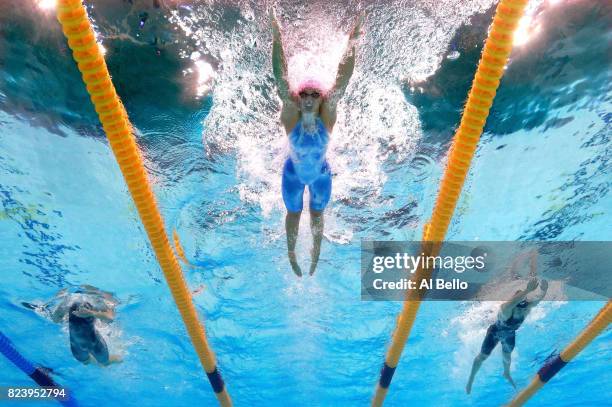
[(511, 316), (82, 309)]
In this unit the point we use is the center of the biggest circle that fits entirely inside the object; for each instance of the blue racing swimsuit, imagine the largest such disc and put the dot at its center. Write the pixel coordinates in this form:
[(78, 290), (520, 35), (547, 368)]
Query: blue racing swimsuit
[(504, 332), (307, 165)]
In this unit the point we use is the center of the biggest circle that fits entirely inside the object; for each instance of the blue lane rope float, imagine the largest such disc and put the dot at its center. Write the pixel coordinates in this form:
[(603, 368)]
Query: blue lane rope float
[(37, 374)]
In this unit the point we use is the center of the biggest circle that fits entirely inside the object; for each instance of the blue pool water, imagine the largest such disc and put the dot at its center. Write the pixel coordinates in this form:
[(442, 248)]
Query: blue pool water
[(214, 150)]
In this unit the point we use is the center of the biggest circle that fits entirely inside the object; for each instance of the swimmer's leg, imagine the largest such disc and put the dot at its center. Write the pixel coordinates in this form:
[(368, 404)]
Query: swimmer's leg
[(481, 357), (293, 197), (292, 225), (317, 224), (320, 193), (507, 348), (292, 188), (490, 341), (80, 354), (320, 190), (99, 350)]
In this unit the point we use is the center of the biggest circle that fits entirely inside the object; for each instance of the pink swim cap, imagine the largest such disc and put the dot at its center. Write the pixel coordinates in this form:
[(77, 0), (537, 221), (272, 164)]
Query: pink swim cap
[(310, 83)]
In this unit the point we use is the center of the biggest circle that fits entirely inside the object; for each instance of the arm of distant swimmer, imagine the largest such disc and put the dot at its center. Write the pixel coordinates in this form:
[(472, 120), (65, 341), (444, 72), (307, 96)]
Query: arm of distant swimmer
[(543, 290), (60, 311), (102, 312), (279, 63), (508, 306), (533, 263), (520, 260), (106, 314)]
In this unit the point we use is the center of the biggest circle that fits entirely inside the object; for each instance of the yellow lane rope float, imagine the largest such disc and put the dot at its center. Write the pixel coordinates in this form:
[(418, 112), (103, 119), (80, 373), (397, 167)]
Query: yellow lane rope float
[(85, 51), (484, 87), (180, 252), (552, 366)]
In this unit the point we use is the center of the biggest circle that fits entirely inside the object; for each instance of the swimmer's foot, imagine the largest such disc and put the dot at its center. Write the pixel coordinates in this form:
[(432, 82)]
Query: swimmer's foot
[(296, 269), (198, 290), (112, 359), (468, 386), (313, 268), (314, 260), (294, 264), (509, 378)]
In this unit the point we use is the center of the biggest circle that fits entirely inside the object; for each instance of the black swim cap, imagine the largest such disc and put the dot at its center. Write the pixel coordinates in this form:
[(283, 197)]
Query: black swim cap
[(80, 304)]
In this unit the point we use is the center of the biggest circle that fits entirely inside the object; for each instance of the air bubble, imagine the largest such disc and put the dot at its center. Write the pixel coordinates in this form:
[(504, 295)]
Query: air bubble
[(453, 55)]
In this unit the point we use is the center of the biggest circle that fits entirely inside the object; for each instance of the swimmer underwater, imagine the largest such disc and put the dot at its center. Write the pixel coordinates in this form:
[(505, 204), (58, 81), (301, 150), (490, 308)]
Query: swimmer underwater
[(82, 309), (308, 116), (511, 316)]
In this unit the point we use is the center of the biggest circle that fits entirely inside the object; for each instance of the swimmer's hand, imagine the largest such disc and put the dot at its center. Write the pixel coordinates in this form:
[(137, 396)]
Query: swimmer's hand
[(84, 313), (356, 32), (544, 286), (532, 285)]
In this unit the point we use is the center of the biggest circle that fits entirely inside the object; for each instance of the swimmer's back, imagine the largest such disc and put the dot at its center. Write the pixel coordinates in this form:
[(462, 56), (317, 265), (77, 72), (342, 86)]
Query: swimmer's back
[(84, 338), (81, 328)]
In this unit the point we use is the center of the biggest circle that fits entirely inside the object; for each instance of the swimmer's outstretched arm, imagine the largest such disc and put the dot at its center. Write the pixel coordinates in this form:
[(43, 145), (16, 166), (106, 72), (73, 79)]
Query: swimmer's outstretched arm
[(290, 113), (543, 290), (279, 62), (60, 311), (104, 314), (347, 66), (345, 71), (533, 263)]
